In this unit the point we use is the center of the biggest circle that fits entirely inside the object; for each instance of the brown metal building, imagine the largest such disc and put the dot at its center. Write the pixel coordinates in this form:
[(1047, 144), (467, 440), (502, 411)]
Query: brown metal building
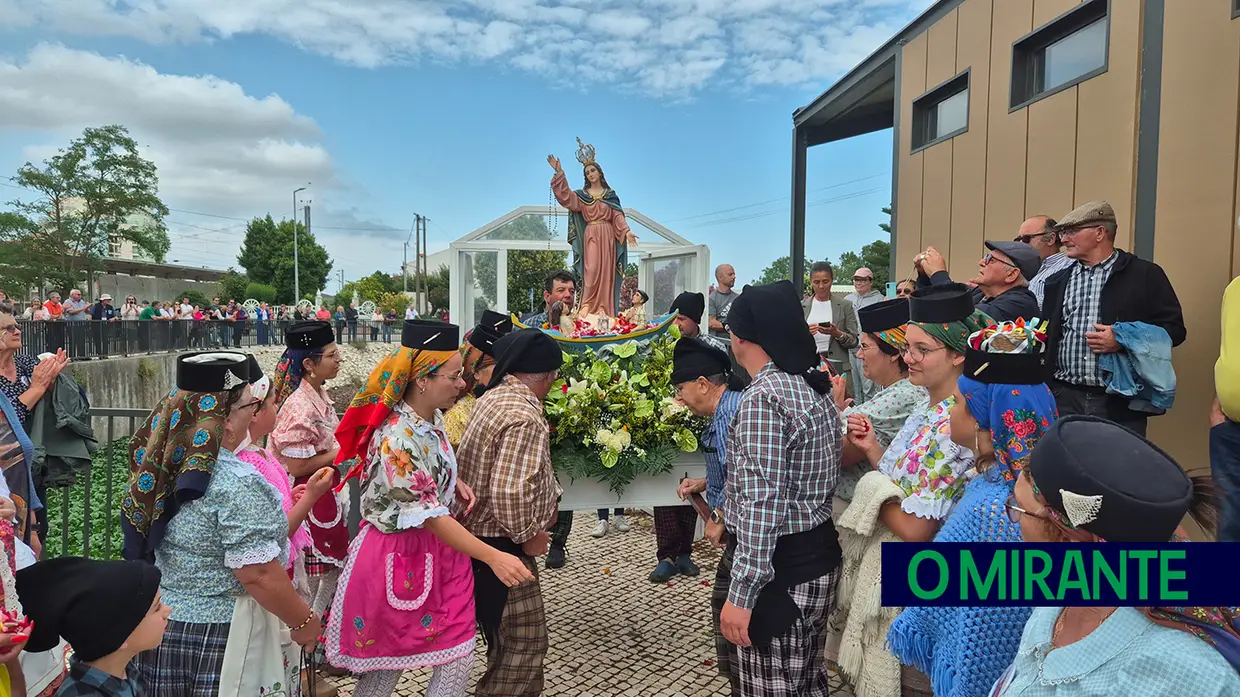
[(1003, 109)]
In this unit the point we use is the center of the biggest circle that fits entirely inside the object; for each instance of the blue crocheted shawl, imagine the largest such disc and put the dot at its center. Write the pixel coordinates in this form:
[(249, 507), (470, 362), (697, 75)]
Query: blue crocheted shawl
[(963, 650)]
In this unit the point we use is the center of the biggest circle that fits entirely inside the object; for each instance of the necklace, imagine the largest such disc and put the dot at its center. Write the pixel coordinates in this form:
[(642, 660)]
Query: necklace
[(1058, 628)]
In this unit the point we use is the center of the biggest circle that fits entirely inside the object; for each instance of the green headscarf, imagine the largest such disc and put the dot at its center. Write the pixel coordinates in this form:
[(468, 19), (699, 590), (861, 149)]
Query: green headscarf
[(955, 335)]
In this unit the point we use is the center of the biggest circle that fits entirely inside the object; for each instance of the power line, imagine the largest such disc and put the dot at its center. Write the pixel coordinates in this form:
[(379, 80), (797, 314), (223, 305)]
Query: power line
[(774, 200), (752, 216)]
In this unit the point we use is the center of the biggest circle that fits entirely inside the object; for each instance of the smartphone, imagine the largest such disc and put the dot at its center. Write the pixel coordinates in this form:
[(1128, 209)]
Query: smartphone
[(826, 325)]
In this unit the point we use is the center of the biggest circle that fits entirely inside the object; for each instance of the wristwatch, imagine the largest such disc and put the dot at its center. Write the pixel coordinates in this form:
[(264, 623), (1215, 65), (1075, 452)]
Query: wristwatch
[(716, 516)]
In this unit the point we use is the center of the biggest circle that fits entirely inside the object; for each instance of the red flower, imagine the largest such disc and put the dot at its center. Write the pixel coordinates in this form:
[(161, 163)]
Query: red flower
[(1009, 419), (564, 388)]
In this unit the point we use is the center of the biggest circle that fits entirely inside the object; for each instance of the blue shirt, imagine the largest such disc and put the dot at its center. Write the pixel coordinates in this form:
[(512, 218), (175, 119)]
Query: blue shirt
[(237, 522), (1127, 655), (714, 444), (84, 680)]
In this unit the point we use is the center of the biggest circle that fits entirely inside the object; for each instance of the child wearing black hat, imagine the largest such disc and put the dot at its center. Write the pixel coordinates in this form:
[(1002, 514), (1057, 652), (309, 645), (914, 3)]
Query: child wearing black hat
[(108, 611)]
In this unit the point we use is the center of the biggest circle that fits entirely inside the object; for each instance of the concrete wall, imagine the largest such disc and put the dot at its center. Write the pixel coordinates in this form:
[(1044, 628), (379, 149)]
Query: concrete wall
[(148, 288), (124, 383)]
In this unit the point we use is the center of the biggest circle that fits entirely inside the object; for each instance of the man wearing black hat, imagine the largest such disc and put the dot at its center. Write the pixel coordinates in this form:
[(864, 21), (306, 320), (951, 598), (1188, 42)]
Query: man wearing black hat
[(506, 450), (1001, 286), (702, 377), (784, 450), (689, 308)]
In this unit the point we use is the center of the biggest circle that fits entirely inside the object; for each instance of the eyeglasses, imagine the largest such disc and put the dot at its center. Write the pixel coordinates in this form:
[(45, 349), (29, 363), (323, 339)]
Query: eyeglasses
[(859, 279), (1069, 232), (453, 377), (251, 405), (990, 257), (1030, 238), (917, 353), (1014, 512)]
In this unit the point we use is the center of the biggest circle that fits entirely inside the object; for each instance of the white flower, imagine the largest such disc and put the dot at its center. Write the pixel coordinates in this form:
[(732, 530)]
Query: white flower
[(671, 407)]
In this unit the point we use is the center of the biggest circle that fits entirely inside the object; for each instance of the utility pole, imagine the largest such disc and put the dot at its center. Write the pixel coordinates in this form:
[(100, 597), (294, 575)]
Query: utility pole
[(417, 265), (296, 270), (426, 301), (341, 283), (404, 264)]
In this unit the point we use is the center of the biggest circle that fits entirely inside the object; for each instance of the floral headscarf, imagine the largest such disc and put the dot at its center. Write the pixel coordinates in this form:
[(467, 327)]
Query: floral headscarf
[(1015, 415), (475, 361), (171, 458), (374, 401), (287, 377), (956, 334)]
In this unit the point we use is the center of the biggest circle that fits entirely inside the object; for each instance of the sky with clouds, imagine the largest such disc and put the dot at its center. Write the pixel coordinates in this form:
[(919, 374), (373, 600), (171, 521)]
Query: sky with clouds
[(449, 108)]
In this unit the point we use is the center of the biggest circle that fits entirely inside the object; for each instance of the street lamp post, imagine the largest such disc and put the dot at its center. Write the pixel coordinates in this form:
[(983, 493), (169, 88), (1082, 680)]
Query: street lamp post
[(296, 268)]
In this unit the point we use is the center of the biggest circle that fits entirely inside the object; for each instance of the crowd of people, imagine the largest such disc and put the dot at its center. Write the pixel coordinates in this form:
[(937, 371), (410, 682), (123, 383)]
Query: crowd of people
[(986, 411)]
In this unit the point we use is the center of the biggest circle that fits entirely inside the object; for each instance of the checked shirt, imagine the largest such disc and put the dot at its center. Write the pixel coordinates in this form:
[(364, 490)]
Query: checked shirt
[(783, 453)]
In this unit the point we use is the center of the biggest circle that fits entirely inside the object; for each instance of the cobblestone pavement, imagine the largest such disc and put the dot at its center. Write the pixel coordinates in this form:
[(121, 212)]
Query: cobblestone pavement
[(615, 634)]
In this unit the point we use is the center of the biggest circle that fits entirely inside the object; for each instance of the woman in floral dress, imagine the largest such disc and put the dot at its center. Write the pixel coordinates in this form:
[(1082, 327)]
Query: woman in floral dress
[(406, 594), (1005, 411)]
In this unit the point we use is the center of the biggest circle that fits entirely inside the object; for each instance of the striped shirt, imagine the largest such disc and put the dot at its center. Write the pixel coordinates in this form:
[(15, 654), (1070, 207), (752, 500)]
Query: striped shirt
[(1050, 266), (505, 456), (1082, 306), (714, 444), (784, 448)]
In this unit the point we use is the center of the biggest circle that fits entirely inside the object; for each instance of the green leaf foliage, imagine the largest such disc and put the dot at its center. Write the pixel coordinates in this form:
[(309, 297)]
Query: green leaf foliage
[(108, 463)]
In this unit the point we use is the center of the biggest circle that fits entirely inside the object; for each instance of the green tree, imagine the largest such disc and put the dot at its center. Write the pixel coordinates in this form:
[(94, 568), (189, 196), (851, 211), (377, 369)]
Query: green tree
[(876, 256), (196, 298), (260, 291), (781, 270), (92, 194), (526, 268), (267, 257), (371, 287), (28, 260), (886, 227), (233, 286)]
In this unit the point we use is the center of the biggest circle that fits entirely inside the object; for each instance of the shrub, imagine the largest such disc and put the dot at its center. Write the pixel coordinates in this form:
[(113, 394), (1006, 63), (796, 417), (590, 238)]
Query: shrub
[(102, 545)]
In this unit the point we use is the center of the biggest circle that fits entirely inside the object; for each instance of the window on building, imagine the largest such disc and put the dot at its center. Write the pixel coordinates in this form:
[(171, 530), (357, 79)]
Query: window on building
[(1235, 8), (1063, 53), (941, 113)]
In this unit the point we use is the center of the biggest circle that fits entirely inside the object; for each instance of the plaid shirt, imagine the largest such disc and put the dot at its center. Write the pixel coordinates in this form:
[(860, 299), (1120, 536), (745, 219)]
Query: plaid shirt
[(1050, 266), (1082, 304), (784, 450), (505, 456), (714, 444), (85, 681)]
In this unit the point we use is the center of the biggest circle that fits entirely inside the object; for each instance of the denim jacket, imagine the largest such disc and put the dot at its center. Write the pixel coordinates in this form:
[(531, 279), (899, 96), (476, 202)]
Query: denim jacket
[(1143, 369)]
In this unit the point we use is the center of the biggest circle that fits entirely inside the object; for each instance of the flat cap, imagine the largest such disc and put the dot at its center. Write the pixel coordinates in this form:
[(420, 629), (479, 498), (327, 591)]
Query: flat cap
[(1094, 212)]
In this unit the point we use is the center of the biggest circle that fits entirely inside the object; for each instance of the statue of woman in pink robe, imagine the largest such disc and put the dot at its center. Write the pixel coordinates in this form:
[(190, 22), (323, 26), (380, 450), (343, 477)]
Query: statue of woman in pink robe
[(597, 231)]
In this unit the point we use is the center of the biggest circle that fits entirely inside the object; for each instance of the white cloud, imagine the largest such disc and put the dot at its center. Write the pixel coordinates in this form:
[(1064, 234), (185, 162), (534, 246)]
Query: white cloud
[(219, 151), (661, 47)]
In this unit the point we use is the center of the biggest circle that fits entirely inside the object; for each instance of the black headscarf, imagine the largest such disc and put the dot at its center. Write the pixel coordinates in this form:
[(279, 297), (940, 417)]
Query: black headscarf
[(525, 351), (771, 316)]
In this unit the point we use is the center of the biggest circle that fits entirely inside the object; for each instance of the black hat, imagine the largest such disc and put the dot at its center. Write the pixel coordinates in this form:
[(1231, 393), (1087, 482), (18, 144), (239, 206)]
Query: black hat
[(694, 358), (490, 328), (94, 605), (1004, 368), (430, 335), (1109, 481), (312, 334), (525, 351), (256, 370), (771, 317), (691, 305), (880, 317), (1024, 257), (941, 303), (212, 371)]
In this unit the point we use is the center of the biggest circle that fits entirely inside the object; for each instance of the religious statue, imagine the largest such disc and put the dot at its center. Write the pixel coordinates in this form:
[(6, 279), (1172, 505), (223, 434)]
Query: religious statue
[(597, 231)]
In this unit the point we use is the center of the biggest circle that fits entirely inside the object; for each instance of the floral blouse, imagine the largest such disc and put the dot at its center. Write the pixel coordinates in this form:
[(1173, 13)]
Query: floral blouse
[(924, 462), (457, 419), (238, 521), (411, 476), (887, 411), (306, 425)]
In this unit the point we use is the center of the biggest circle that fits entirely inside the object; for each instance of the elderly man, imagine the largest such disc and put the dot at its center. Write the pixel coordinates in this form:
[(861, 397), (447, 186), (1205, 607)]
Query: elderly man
[(784, 449), (832, 322), (1104, 286), (689, 308), (1001, 286), (704, 384), (864, 294), (1039, 232), (506, 454)]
